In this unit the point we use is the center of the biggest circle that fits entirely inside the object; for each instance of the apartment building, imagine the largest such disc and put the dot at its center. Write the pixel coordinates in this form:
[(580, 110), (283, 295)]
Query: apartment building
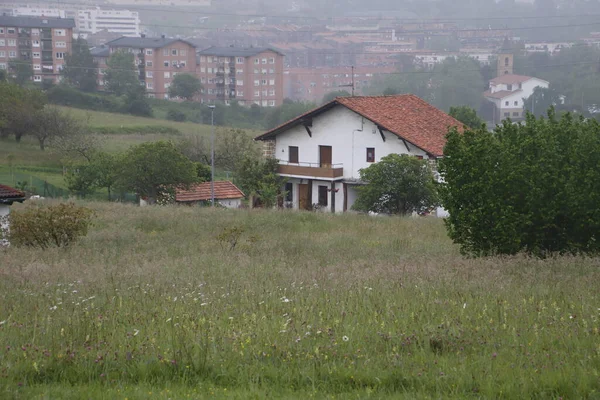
[(122, 22), (312, 84), (247, 75), (158, 60), (41, 41)]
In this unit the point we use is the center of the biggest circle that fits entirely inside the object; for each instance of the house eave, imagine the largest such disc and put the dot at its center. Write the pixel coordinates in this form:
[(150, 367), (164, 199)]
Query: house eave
[(10, 201)]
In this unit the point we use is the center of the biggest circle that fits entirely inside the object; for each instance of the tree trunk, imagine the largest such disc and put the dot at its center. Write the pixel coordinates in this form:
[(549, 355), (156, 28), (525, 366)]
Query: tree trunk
[(109, 199), (42, 144), (18, 137)]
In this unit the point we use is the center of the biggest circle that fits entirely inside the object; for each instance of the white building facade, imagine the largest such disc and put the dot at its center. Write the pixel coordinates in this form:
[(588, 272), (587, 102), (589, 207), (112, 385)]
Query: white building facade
[(122, 22), (321, 155), (508, 92)]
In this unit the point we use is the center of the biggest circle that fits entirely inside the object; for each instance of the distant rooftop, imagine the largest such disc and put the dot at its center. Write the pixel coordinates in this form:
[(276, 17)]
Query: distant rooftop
[(235, 51), (144, 42), (36, 22), (100, 51)]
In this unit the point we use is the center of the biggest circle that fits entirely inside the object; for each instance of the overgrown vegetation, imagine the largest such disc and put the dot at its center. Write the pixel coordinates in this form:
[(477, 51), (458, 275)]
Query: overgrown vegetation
[(532, 187), (321, 306), (45, 226), (397, 184)]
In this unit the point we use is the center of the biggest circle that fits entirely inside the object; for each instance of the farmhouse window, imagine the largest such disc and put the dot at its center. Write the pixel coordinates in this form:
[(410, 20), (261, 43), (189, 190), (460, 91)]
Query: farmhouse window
[(289, 191), (370, 154), (293, 154), (323, 196)]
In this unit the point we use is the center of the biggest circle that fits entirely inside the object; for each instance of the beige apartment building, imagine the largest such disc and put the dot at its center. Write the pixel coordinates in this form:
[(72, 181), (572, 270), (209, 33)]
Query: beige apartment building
[(246, 75), (158, 60), (42, 41)]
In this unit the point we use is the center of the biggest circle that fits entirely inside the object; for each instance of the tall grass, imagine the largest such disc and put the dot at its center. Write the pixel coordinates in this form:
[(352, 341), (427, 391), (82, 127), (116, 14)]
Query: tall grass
[(305, 304)]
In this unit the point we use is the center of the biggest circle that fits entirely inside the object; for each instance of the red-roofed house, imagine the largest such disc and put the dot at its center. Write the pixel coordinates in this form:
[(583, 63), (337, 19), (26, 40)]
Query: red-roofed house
[(507, 93), (8, 196), (321, 152), (226, 194)]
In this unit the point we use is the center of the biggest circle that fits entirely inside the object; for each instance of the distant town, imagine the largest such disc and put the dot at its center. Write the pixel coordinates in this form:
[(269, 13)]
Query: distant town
[(264, 61)]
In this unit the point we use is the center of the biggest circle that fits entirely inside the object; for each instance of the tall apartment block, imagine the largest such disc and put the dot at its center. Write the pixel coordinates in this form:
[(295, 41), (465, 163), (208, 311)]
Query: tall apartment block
[(158, 60), (246, 75), (122, 22), (41, 41)]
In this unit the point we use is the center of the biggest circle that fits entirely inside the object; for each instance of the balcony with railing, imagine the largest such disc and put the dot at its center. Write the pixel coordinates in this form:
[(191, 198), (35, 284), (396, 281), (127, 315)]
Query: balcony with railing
[(311, 170)]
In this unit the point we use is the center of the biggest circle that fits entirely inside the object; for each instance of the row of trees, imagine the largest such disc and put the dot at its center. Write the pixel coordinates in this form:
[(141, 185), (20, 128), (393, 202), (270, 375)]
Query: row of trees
[(24, 112), (153, 170)]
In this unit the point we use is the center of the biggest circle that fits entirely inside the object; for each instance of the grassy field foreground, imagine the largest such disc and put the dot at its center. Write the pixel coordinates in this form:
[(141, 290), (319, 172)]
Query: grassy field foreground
[(155, 303)]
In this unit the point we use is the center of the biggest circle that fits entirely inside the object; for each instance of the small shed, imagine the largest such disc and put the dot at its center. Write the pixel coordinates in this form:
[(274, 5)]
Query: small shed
[(8, 196), (226, 194)]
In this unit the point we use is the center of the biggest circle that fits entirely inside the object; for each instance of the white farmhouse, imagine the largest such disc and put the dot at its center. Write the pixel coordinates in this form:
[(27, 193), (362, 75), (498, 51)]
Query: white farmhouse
[(8, 196), (322, 151), (507, 93)]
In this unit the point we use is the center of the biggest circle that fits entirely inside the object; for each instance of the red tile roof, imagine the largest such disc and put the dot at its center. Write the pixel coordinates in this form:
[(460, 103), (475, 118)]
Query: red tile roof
[(500, 94), (407, 116), (10, 194), (510, 79), (201, 192)]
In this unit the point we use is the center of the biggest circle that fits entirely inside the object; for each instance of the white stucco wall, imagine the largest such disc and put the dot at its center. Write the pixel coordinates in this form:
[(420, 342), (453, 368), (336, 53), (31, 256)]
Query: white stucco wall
[(4, 211), (348, 134), (231, 203)]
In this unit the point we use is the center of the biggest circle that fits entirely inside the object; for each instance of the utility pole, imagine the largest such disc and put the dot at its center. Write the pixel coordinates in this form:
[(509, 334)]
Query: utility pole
[(352, 84), (212, 154)]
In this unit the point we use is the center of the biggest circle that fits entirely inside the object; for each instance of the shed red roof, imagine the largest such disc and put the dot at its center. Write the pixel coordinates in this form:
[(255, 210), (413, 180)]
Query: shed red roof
[(8, 193), (407, 116), (201, 192)]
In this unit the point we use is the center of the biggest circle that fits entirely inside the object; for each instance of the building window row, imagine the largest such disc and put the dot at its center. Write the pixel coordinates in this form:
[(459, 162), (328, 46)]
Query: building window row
[(174, 52)]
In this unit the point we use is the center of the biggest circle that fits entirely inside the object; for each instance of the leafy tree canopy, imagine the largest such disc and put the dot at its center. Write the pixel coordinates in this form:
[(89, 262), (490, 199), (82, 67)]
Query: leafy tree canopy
[(532, 187), (80, 68), (398, 184), (150, 167), (185, 86), (121, 76), (467, 116)]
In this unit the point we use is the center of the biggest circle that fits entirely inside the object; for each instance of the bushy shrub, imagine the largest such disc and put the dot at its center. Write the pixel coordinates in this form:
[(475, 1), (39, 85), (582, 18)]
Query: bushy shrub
[(532, 187), (44, 226), (176, 115)]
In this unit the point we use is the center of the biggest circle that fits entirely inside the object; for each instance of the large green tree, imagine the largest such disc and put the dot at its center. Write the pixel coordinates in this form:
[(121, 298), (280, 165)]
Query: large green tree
[(80, 69), (467, 116), (397, 184), (21, 71), (532, 187), (149, 168), (18, 108), (185, 86), (120, 76)]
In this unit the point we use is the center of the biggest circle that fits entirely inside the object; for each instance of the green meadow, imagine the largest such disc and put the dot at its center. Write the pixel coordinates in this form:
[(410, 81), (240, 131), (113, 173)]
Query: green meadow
[(188, 302)]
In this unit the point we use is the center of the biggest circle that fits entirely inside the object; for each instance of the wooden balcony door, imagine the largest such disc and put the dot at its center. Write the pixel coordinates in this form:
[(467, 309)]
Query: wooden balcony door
[(303, 196), (325, 156)]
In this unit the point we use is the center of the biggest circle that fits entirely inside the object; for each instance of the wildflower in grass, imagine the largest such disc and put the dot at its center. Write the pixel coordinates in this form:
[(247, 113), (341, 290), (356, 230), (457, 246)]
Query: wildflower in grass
[(285, 300), (345, 338), (135, 332)]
